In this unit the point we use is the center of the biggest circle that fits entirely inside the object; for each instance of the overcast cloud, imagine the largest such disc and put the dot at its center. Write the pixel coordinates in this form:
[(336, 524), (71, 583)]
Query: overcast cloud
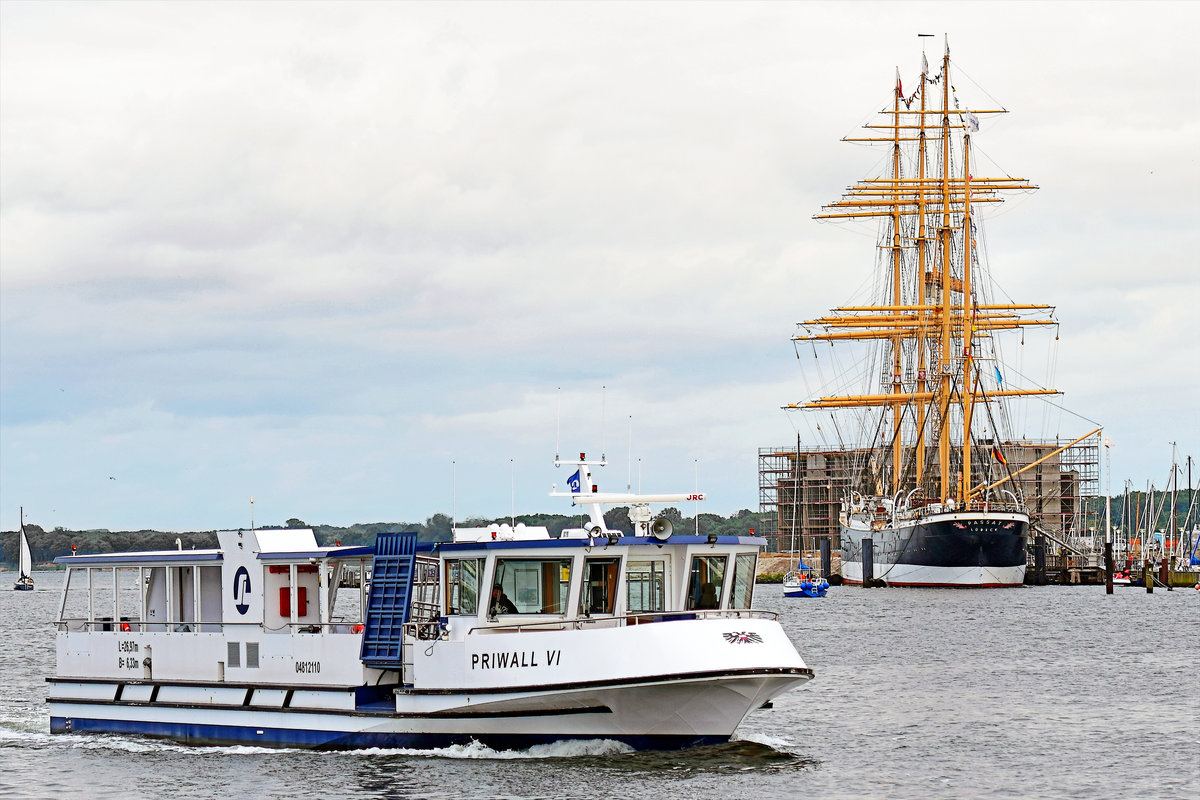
[(315, 253)]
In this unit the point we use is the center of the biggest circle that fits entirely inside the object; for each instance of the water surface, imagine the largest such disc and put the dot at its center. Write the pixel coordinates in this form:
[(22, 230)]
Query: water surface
[(919, 693)]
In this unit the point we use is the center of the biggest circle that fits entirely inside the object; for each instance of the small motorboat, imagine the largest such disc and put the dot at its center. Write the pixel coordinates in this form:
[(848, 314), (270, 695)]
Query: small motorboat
[(804, 583)]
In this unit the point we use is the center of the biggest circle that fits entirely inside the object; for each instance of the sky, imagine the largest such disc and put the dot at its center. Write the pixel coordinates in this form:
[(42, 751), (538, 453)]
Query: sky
[(375, 261)]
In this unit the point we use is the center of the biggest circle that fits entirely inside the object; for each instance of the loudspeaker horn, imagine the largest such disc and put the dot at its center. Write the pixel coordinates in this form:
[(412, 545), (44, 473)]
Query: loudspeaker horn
[(661, 529)]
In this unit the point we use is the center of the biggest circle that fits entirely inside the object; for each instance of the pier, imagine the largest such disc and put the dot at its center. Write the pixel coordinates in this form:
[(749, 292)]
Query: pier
[(1058, 569)]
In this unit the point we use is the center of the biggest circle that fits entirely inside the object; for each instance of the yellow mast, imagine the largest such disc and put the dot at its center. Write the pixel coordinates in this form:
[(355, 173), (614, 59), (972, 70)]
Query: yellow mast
[(968, 338), (919, 458), (897, 411), (945, 376), (929, 317)]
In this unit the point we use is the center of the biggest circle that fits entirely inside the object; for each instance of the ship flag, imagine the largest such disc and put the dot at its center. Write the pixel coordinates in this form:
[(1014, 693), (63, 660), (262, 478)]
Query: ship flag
[(574, 482), (999, 377), (998, 455)]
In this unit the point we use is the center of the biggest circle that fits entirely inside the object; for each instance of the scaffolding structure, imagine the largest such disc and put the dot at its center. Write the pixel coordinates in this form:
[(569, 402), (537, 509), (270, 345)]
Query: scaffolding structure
[(802, 488)]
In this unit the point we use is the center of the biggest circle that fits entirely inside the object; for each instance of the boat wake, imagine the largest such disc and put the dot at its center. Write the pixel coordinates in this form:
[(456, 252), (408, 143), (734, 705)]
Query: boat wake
[(753, 752), (580, 748), (39, 737)]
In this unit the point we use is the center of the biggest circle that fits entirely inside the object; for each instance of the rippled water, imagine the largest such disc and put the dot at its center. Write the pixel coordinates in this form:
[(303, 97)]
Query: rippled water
[(1033, 692)]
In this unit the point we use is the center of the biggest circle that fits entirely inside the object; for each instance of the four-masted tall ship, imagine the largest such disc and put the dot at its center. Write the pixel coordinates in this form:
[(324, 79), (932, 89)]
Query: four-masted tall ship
[(934, 496)]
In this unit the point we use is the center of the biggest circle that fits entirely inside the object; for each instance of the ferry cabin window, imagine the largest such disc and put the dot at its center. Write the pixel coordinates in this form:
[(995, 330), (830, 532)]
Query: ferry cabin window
[(171, 597), (462, 585), (348, 598), (646, 586), (705, 582), (101, 599), (535, 585), (743, 580), (599, 594)]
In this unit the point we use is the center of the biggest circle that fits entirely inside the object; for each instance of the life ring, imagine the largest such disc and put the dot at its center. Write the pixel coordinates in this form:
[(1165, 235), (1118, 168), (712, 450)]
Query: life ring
[(125, 627), (357, 629)]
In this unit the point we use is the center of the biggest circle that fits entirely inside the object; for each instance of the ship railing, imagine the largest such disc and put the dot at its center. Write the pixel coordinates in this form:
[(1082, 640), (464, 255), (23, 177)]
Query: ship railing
[(619, 620), (127, 625), (425, 621), (934, 507)]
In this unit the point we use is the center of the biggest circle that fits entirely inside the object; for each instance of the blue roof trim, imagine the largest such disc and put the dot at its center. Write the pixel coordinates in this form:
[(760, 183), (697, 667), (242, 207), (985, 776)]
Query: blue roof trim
[(166, 557), (324, 552), (601, 541), (187, 556)]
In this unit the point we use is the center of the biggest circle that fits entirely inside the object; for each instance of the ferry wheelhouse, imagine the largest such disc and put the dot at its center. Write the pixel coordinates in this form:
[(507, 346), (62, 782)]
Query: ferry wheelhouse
[(505, 635)]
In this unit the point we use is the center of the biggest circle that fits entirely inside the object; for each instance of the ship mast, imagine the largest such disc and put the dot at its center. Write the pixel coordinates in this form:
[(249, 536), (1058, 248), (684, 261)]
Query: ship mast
[(897, 259), (929, 319), (946, 376), (923, 277)]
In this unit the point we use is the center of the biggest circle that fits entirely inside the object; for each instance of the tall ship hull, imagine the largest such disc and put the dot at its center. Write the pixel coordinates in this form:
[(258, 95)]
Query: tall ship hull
[(978, 549)]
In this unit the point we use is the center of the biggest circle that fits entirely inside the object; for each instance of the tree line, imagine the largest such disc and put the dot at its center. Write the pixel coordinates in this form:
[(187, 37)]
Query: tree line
[(46, 545)]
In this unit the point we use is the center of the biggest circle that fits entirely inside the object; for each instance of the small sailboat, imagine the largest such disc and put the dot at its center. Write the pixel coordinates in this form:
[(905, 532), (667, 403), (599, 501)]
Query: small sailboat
[(24, 562), (804, 582)]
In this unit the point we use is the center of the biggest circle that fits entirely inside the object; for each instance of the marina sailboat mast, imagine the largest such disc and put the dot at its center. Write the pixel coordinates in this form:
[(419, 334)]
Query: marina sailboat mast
[(932, 318)]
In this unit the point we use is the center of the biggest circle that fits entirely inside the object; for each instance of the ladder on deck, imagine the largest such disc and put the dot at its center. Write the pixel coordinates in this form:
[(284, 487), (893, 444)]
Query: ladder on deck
[(388, 601), (403, 604)]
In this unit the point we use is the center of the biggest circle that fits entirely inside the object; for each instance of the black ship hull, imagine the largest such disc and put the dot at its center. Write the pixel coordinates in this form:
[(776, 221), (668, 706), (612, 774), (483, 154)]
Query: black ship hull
[(967, 549)]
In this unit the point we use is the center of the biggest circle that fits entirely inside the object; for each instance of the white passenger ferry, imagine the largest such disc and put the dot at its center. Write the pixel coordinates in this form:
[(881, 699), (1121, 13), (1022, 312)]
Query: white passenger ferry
[(506, 636)]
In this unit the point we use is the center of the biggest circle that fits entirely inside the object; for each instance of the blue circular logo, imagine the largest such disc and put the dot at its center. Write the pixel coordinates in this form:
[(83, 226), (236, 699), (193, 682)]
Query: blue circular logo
[(241, 590)]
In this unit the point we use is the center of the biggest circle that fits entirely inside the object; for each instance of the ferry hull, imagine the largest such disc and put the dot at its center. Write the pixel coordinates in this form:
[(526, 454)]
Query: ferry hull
[(653, 715), (979, 550)]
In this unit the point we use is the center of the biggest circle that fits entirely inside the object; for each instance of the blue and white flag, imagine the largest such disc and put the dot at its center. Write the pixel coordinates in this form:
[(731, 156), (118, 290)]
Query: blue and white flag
[(999, 377), (573, 482)]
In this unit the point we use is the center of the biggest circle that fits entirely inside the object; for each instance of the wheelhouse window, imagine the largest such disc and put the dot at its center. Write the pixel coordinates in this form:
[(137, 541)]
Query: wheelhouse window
[(705, 583), (531, 586), (599, 595), (462, 585), (646, 583), (743, 580)]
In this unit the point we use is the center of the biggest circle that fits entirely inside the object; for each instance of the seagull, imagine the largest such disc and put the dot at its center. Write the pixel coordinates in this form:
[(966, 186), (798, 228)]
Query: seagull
[(111, 478)]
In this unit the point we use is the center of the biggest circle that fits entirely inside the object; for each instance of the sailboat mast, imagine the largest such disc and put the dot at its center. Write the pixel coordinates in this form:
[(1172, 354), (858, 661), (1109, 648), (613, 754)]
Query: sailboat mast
[(944, 378), (1171, 530), (968, 392), (897, 338), (923, 313)]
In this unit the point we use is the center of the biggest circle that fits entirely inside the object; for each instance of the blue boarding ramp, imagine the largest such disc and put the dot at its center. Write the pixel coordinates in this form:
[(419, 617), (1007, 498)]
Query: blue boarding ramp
[(388, 603)]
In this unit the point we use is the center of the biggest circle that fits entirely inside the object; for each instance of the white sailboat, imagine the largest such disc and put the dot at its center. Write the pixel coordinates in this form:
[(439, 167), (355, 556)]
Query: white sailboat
[(24, 562), (802, 580)]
